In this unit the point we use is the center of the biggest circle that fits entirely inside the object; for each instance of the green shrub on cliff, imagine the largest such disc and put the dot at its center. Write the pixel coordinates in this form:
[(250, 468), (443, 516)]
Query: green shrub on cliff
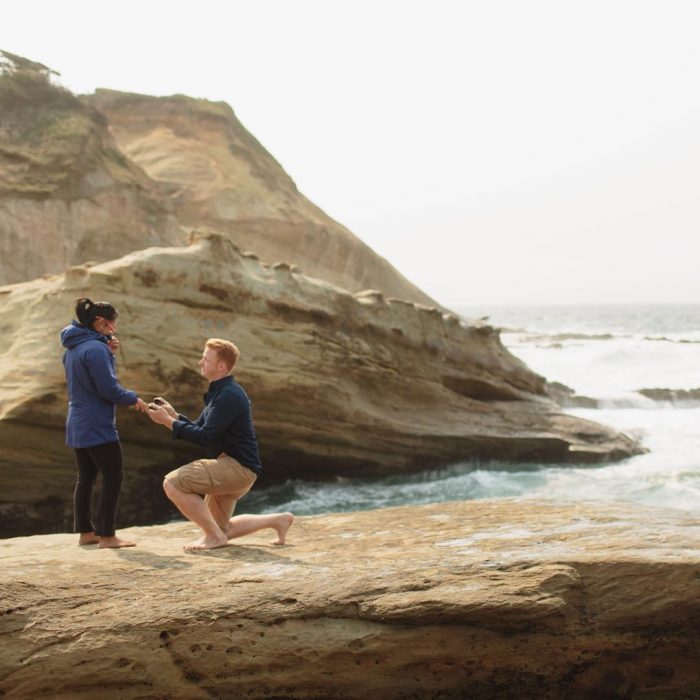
[(48, 137)]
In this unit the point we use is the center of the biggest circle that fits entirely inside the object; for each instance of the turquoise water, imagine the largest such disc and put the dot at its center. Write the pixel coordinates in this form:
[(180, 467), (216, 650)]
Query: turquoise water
[(606, 352)]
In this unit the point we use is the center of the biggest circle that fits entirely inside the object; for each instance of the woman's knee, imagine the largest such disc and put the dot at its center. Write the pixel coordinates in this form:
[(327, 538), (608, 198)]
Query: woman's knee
[(112, 478), (85, 481)]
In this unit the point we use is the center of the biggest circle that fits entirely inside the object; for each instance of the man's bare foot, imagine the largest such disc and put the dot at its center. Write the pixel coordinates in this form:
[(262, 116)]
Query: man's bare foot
[(206, 542), (114, 542), (284, 523), (88, 538)]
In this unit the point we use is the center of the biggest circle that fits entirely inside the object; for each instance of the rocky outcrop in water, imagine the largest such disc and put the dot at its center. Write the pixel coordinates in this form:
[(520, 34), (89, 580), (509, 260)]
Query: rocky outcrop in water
[(490, 599), (681, 397), (342, 384), (566, 397)]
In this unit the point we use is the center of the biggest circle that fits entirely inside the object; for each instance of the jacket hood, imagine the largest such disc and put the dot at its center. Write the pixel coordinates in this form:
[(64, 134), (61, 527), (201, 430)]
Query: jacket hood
[(75, 334)]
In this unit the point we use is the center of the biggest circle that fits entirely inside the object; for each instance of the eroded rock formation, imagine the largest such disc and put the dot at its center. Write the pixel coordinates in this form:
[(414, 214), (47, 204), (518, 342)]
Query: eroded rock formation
[(67, 193), (341, 384), (491, 599)]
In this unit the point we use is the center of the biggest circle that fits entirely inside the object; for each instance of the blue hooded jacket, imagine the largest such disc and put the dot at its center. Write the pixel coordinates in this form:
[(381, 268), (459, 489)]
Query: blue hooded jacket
[(93, 388)]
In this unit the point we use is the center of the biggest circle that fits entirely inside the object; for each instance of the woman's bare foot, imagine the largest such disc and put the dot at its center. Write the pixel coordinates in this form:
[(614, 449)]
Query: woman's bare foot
[(88, 538), (284, 523), (114, 542), (207, 542)]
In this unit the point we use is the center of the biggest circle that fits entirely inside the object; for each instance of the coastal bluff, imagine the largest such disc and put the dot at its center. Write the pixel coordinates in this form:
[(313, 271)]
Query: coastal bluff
[(215, 174), (93, 177), (483, 599), (353, 385)]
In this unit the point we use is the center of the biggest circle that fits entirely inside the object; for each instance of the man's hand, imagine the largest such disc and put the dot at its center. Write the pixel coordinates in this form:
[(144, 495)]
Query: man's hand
[(164, 404), (113, 344), (141, 406), (159, 414)]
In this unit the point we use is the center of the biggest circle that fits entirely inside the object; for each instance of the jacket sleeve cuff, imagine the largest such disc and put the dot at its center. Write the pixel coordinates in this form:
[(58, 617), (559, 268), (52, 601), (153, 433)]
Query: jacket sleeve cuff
[(177, 428)]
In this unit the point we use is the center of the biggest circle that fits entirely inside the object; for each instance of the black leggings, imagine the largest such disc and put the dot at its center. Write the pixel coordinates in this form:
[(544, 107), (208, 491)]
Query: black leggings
[(107, 460)]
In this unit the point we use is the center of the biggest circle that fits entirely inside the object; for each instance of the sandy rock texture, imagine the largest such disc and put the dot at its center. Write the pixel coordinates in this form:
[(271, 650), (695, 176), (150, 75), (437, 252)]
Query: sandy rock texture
[(490, 599), (219, 176), (67, 193), (341, 384)]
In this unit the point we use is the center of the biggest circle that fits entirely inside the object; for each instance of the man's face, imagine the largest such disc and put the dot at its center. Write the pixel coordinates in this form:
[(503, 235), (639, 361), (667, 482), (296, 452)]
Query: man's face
[(210, 366)]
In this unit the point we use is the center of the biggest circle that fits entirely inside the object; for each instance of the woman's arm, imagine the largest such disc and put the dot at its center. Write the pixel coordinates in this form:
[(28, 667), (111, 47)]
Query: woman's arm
[(99, 364)]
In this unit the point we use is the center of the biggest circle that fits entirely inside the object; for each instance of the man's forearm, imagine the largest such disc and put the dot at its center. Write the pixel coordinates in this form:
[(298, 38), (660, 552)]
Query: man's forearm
[(165, 420), (191, 432), (205, 431)]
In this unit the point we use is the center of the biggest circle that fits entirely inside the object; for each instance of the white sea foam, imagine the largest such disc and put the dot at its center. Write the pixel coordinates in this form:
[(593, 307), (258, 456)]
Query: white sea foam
[(615, 367)]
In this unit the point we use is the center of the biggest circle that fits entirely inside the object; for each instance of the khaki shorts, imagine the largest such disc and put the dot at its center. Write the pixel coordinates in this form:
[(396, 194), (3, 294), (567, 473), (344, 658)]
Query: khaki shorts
[(222, 481)]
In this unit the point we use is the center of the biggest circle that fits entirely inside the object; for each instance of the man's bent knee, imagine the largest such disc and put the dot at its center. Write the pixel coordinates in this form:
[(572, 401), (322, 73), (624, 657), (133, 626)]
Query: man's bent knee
[(170, 488)]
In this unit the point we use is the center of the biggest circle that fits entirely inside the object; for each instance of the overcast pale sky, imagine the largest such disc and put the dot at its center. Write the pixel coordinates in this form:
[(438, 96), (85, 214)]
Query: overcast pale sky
[(495, 151)]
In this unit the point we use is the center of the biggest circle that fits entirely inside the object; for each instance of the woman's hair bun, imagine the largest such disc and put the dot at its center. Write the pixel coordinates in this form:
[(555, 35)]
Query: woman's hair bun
[(86, 310), (82, 306)]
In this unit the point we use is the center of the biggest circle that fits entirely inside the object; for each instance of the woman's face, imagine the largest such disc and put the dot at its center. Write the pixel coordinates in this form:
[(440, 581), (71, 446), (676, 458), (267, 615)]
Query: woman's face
[(102, 325)]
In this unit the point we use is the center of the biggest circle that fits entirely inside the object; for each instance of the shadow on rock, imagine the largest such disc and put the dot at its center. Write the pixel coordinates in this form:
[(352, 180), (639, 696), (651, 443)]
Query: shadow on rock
[(246, 553), (157, 561)]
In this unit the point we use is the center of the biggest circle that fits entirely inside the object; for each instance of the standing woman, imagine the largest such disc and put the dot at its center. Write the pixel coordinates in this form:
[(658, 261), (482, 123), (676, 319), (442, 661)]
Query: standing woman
[(91, 426)]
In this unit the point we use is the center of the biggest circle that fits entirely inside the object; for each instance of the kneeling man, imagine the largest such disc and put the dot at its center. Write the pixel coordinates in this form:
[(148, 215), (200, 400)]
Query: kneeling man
[(225, 429)]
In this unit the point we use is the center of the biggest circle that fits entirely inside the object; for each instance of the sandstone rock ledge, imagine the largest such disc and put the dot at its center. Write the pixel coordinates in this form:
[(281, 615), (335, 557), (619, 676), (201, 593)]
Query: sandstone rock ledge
[(491, 599), (341, 384)]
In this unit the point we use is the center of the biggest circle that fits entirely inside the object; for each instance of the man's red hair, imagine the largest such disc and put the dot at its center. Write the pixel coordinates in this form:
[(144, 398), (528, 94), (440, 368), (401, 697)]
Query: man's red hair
[(226, 351)]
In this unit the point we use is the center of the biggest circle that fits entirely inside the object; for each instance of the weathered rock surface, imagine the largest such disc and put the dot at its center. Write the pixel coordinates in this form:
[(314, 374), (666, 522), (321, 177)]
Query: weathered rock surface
[(67, 194), (490, 599), (341, 384), (219, 176)]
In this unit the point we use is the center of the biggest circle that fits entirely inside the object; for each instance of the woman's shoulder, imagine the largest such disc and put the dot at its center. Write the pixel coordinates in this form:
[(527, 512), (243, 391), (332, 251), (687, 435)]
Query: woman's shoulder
[(96, 348)]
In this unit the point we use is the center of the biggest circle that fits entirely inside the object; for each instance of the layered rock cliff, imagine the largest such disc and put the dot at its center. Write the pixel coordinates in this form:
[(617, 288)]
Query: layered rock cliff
[(492, 599), (219, 176), (341, 384), (67, 193)]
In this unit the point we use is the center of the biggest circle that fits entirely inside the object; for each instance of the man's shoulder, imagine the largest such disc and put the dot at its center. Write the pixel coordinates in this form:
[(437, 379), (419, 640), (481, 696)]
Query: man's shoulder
[(233, 391)]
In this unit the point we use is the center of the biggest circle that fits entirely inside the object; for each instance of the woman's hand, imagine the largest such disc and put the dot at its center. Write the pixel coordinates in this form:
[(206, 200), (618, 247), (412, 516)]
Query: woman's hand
[(114, 344), (140, 406), (164, 404)]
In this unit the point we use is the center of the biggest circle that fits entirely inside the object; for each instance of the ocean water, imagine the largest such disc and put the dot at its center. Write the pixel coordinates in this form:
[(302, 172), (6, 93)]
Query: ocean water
[(604, 352)]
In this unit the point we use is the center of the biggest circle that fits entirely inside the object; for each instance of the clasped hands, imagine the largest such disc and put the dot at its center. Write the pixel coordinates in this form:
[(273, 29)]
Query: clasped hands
[(160, 411)]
